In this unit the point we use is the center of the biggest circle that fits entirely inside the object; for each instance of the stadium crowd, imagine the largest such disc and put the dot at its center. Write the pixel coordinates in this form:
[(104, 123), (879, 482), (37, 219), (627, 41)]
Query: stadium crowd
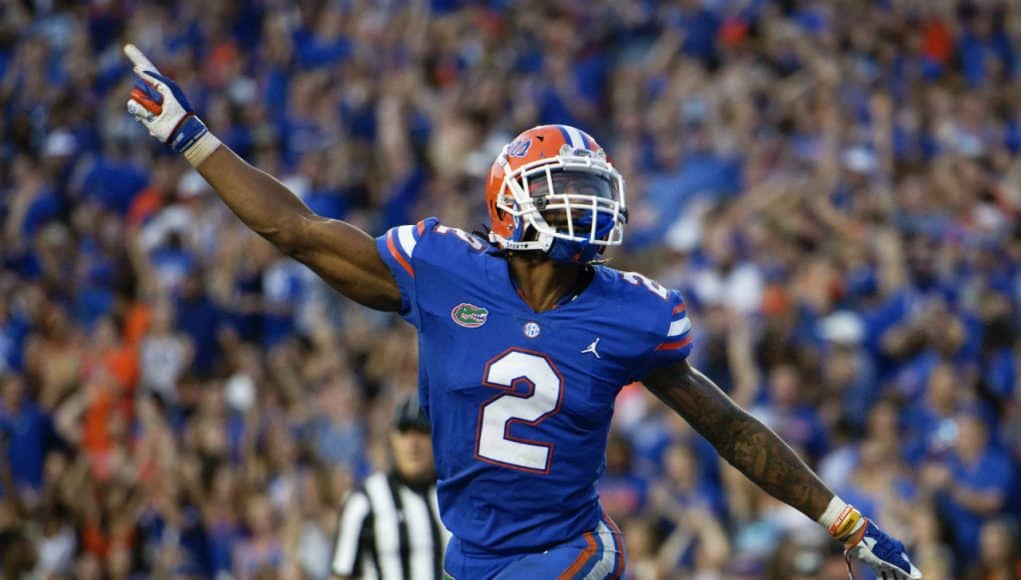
[(835, 186)]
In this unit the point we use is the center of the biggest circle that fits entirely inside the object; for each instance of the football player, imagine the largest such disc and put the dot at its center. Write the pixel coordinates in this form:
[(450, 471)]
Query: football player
[(524, 342)]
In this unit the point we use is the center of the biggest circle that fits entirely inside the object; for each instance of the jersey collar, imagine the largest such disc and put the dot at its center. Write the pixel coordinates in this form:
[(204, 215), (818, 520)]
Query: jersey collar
[(587, 275)]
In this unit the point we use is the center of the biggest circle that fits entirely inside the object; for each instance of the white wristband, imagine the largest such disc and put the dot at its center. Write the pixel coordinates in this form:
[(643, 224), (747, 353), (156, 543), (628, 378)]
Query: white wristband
[(833, 510), (841, 519), (202, 149)]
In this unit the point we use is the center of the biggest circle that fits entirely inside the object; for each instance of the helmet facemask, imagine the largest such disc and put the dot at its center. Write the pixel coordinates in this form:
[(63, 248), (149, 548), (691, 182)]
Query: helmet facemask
[(571, 206)]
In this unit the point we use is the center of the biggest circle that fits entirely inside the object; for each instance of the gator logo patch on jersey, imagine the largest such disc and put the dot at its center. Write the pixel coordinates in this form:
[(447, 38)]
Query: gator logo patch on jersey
[(469, 315)]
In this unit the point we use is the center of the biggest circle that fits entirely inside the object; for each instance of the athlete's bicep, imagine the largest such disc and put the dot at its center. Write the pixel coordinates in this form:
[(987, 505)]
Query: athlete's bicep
[(347, 258), (692, 395)]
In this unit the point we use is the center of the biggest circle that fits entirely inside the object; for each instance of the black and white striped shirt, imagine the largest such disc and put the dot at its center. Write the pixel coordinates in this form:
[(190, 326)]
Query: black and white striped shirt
[(390, 531)]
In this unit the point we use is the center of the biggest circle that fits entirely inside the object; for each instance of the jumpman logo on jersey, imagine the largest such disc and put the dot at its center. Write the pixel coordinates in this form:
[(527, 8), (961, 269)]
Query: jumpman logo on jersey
[(592, 348)]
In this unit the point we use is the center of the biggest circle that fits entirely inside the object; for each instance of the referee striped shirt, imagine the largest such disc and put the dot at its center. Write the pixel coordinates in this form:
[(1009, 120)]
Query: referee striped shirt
[(390, 531)]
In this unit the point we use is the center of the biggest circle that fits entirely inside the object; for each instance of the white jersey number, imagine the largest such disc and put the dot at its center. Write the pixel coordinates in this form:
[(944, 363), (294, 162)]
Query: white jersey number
[(464, 236), (492, 442), (650, 284)]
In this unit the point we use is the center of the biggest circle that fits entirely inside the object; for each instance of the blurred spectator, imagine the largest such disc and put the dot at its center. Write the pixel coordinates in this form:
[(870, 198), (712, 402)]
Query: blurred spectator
[(798, 423), (690, 512), (999, 555), (262, 552), (25, 431), (642, 560), (970, 483), (164, 355), (928, 549), (621, 491), (16, 553)]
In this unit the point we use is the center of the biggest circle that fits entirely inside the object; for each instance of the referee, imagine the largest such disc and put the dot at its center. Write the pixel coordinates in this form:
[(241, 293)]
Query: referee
[(390, 527)]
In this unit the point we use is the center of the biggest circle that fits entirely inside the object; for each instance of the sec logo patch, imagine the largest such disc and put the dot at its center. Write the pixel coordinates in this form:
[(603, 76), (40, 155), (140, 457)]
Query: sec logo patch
[(531, 329)]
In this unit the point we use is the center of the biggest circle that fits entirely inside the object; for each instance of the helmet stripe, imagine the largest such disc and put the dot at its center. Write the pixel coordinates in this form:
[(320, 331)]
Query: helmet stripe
[(566, 135), (574, 137)]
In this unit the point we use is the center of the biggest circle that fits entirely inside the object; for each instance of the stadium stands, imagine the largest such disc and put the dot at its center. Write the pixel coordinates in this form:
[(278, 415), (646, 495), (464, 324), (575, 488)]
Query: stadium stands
[(835, 187)]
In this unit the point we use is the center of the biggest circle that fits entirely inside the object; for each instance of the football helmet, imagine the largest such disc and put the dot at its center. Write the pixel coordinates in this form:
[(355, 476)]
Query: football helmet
[(553, 190)]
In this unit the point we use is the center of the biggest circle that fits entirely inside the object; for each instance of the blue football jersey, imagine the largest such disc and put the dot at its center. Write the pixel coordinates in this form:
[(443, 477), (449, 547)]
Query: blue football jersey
[(520, 402)]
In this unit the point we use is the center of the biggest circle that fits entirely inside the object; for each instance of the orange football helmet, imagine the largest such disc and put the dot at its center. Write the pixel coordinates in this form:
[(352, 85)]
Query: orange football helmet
[(553, 190)]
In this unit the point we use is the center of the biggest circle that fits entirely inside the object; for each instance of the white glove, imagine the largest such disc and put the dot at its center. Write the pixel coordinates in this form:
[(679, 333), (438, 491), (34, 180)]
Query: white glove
[(886, 555), (159, 104), (864, 540)]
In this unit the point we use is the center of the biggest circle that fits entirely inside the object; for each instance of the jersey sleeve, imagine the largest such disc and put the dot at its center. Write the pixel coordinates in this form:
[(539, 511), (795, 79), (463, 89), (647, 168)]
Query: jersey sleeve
[(397, 247), (671, 337)]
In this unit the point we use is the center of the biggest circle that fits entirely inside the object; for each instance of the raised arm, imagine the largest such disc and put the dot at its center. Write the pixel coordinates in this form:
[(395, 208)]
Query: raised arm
[(343, 255), (764, 458)]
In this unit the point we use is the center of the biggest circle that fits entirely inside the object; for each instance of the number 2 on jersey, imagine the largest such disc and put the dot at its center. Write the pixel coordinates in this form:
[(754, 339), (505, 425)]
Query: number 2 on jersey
[(493, 443)]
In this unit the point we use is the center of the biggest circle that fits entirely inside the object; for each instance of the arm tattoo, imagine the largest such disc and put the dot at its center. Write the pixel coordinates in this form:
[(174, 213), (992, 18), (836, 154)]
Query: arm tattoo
[(741, 439)]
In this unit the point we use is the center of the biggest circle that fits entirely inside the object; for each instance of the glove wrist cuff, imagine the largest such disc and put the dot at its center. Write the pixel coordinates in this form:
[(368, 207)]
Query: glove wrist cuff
[(840, 519), (201, 149)]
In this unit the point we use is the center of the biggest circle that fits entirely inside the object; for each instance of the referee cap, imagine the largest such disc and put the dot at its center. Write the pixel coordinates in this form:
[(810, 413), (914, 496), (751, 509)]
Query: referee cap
[(410, 415)]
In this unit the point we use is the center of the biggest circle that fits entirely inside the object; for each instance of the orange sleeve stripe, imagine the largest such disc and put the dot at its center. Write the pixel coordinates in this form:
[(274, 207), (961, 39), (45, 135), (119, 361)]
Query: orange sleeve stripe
[(679, 308), (583, 558), (397, 255), (675, 345)]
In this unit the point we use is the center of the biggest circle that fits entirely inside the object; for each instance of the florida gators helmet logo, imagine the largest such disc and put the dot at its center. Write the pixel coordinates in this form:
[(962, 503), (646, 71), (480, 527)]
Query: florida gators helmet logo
[(519, 147)]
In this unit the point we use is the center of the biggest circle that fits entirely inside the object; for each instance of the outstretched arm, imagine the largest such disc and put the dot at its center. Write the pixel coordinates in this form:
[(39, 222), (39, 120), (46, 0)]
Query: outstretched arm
[(741, 439), (339, 252), (764, 458)]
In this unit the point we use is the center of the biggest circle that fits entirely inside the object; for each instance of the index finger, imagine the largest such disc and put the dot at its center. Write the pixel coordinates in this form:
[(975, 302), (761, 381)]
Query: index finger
[(142, 64)]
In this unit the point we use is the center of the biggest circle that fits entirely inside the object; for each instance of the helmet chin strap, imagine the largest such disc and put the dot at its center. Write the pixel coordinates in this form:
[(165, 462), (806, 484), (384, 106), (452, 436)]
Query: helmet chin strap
[(580, 252)]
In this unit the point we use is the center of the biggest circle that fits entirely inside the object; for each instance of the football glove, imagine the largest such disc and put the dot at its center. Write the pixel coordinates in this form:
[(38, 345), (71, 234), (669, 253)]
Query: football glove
[(161, 106), (864, 540)]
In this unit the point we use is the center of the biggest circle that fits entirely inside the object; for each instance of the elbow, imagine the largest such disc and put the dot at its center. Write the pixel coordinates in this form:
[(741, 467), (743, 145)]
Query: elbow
[(286, 234)]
